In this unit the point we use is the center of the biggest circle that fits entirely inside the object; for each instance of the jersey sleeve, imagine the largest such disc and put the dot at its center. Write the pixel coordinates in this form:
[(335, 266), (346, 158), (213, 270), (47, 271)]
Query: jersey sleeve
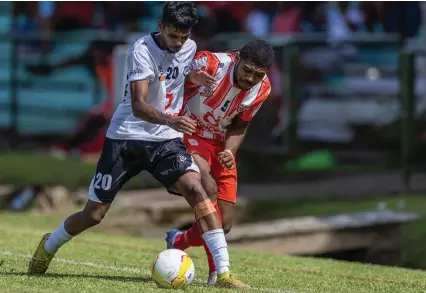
[(206, 61), (139, 66), (262, 95)]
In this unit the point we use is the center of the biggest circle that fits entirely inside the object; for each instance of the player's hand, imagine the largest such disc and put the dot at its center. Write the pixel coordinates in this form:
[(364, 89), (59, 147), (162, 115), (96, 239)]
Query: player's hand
[(226, 158), (182, 124), (202, 78)]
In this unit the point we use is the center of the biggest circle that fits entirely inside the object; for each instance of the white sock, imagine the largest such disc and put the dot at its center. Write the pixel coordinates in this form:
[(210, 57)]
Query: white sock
[(58, 238), (216, 242)]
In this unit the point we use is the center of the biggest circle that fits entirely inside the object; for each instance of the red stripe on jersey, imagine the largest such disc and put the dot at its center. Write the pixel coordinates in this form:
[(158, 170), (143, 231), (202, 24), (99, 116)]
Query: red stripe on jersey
[(265, 88), (221, 91), (188, 94), (236, 102), (212, 63)]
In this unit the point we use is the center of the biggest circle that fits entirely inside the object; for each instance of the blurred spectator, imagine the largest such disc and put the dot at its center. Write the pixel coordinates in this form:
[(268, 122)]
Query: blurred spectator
[(123, 15), (313, 17), (229, 16), (258, 20), (72, 15), (287, 19), (89, 134), (27, 22), (403, 18), (343, 18)]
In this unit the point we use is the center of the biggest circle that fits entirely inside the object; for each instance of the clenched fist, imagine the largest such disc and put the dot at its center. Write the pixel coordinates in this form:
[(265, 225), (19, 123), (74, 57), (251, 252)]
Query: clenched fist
[(226, 158)]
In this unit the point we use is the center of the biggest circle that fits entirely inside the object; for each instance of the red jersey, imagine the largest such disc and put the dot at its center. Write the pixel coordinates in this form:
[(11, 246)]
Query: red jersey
[(215, 109)]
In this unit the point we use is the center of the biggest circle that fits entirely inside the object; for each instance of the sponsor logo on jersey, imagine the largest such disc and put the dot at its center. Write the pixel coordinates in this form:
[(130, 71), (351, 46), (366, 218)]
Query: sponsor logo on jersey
[(186, 71), (134, 72), (161, 75), (225, 106), (193, 142), (221, 64)]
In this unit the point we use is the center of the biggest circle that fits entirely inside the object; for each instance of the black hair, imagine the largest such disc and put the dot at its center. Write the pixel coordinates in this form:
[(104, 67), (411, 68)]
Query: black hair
[(259, 52), (182, 14)]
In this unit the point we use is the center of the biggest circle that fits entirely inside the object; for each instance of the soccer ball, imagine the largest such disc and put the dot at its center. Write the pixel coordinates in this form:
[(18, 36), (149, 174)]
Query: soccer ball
[(173, 269)]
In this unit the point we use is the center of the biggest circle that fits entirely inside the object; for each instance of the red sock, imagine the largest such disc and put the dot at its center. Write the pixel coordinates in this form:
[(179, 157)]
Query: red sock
[(192, 237)]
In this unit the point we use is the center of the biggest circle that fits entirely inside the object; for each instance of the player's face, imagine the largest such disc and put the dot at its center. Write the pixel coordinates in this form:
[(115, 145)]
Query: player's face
[(248, 74), (173, 37)]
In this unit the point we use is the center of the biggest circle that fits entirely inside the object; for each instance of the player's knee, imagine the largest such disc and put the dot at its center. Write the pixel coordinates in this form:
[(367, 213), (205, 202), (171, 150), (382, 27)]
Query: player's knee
[(93, 216), (96, 217), (194, 189)]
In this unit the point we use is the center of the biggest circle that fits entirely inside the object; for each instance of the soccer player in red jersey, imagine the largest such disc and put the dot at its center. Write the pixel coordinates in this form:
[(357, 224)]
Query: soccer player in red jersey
[(236, 85)]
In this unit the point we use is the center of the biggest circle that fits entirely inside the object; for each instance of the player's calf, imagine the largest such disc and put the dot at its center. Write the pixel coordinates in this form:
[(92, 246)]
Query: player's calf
[(209, 223), (91, 215)]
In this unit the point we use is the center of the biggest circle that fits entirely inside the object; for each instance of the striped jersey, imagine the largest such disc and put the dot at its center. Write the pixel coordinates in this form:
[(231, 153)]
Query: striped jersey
[(215, 109)]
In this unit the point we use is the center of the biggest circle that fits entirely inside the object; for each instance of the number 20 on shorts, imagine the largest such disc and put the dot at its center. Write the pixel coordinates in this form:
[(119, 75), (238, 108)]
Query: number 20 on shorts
[(102, 181)]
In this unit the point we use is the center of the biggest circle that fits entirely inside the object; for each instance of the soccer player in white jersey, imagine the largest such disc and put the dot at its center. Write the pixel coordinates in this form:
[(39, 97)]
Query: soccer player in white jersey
[(223, 114), (146, 134)]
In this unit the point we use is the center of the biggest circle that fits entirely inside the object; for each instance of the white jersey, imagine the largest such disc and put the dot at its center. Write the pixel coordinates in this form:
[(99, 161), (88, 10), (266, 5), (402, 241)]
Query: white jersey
[(166, 74)]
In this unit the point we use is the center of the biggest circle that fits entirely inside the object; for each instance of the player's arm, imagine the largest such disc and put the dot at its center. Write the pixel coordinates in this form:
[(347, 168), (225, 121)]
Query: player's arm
[(140, 108), (140, 74), (235, 135), (199, 74), (144, 111)]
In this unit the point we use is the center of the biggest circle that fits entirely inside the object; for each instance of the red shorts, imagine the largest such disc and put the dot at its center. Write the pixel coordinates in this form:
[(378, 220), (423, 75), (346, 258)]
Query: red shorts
[(226, 180)]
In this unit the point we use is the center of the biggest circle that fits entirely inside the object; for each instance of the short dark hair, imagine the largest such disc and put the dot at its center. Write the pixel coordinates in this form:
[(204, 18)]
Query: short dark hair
[(182, 14), (258, 52)]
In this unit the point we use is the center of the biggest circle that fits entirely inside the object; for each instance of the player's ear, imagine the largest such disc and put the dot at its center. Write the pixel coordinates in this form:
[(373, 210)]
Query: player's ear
[(160, 25), (234, 52)]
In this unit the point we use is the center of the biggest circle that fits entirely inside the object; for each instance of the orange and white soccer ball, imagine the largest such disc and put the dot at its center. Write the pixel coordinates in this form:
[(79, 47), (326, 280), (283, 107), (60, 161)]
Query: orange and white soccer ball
[(173, 269)]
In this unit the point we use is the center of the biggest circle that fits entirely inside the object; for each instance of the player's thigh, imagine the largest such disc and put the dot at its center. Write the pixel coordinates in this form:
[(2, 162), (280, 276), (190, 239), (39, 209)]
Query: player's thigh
[(227, 209), (203, 153), (207, 180), (175, 168), (117, 164)]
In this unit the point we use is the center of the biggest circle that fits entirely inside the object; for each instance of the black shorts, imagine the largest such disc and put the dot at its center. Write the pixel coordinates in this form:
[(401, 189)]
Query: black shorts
[(121, 160)]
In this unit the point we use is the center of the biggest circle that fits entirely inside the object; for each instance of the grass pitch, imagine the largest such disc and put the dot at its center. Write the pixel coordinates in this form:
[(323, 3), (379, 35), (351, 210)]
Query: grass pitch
[(95, 262)]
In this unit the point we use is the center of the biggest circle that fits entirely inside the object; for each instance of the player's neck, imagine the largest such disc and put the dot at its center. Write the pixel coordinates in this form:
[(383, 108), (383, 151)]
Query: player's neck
[(158, 38)]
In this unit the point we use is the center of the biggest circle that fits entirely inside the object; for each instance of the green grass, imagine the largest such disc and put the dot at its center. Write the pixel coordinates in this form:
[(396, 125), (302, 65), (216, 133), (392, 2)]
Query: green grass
[(95, 262)]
